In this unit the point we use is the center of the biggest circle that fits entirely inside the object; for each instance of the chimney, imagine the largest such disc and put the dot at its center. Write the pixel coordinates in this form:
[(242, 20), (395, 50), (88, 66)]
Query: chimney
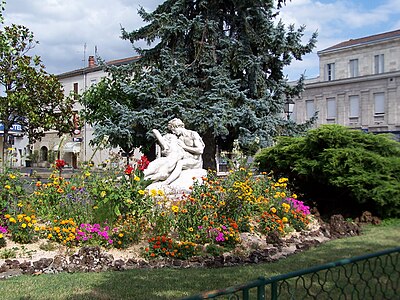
[(92, 62)]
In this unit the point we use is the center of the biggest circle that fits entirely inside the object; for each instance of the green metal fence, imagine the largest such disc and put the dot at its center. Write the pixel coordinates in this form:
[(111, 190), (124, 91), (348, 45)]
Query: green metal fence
[(372, 276)]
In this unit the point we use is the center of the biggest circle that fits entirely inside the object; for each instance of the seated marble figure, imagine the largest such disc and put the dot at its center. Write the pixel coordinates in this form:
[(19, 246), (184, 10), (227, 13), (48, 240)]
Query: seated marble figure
[(181, 150), (160, 168)]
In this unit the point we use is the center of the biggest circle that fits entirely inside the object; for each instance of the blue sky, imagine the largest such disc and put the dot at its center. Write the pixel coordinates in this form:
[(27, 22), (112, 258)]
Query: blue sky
[(64, 27)]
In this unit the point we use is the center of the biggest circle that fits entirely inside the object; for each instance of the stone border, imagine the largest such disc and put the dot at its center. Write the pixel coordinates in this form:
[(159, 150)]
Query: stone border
[(254, 250)]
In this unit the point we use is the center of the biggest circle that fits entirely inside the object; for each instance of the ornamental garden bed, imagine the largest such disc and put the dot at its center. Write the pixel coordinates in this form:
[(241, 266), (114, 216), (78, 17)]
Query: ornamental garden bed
[(108, 219)]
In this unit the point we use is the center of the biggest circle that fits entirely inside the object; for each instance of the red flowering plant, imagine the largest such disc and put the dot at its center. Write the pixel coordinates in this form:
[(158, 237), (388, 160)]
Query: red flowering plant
[(135, 171), (138, 199), (59, 165)]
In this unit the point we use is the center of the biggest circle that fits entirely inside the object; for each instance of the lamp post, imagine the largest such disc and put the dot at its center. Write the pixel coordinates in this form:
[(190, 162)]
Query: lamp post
[(288, 107)]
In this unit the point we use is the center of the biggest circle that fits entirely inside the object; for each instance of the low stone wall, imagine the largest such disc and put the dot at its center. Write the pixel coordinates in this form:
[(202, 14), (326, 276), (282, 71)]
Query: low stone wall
[(253, 250)]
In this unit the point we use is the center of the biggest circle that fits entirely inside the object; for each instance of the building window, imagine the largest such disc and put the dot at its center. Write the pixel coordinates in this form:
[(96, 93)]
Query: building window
[(379, 63), (354, 102), (76, 90), (330, 72), (379, 104), (310, 109), (353, 65), (330, 108), (93, 81)]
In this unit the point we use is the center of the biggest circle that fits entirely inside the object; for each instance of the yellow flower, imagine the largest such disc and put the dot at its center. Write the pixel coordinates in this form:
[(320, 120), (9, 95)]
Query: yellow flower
[(7, 187), (87, 174), (175, 208), (60, 190), (23, 225), (27, 219), (121, 235), (294, 196), (103, 194), (12, 176), (95, 207), (1, 235), (153, 193), (37, 228), (273, 210), (190, 229), (7, 216), (284, 220), (136, 178), (141, 192), (20, 204), (160, 192)]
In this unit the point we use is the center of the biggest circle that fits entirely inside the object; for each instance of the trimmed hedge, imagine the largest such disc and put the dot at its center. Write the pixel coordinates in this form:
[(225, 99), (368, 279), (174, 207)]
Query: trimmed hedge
[(340, 169)]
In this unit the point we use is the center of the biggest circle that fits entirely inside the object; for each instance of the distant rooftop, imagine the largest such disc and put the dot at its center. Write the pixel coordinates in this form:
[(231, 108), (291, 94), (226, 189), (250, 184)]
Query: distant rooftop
[(92, 67), (364, 40)]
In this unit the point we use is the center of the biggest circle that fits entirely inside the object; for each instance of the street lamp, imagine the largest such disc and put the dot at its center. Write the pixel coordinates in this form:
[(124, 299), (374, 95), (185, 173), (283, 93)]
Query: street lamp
[(288, 107)]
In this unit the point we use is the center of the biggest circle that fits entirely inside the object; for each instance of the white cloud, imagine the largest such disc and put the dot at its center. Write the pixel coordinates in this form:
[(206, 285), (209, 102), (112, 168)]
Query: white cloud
[(338, 21), (63, 27)]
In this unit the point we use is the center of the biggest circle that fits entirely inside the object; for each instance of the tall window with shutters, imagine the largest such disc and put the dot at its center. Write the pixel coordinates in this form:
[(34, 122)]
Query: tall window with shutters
[(331, 110)]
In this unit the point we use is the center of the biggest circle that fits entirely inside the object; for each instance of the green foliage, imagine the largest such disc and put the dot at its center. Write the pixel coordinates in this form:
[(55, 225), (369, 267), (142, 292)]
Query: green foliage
[(218, 66), (335, 166), (11, 190), (22, 228), (32, 97)]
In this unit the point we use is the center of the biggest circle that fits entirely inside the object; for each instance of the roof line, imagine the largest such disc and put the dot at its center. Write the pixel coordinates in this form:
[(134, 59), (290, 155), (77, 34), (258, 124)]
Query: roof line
[(95, 68), (364, 40)]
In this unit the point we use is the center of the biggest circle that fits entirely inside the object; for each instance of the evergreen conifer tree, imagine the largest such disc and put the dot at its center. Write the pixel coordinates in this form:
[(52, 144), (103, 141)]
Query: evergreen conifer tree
[(217, 65)]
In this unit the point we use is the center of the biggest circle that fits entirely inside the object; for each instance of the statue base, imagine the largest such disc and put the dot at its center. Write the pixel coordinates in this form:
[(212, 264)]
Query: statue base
[(182, 184)]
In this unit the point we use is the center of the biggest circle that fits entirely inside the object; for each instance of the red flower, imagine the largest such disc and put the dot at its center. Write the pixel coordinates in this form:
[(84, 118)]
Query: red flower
[(143, 163), (128, 170), (60, 163)]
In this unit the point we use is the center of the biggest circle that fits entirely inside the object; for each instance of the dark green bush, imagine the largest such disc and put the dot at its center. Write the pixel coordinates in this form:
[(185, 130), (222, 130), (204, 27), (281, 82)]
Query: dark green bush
[(339, 169)]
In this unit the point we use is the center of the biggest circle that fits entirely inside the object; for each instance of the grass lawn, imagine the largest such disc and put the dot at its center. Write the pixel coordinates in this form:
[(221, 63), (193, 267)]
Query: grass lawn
[(176, 283)]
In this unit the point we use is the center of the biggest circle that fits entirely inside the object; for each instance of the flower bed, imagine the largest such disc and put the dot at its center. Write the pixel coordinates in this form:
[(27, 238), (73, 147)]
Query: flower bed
[(113, 209)]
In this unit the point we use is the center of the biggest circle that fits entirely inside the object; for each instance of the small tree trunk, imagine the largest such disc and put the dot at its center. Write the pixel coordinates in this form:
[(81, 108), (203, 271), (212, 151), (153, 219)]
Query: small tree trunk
[(4, 149), (209, 161)]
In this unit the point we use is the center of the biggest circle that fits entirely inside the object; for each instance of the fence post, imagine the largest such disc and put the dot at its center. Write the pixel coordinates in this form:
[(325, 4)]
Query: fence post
[(274, 290)]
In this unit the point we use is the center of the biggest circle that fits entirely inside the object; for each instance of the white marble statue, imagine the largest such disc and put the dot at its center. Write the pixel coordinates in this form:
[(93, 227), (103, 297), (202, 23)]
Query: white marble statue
[(160, 168), (181, 151)]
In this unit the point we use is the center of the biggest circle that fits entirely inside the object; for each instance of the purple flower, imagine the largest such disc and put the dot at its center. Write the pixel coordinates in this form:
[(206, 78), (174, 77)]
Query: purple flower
[(220, 237), (3, 230)]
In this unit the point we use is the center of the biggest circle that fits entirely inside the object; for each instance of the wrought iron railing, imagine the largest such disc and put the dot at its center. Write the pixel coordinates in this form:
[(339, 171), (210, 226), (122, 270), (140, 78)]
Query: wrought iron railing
[(371, 276)]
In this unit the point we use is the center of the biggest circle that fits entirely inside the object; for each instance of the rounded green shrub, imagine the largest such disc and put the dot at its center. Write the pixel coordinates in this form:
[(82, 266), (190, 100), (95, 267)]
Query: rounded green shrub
[(339, 169)]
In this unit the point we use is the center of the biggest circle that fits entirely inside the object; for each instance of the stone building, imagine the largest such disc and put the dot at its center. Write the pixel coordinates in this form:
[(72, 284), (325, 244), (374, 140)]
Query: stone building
[(358, 85), (75, 148)]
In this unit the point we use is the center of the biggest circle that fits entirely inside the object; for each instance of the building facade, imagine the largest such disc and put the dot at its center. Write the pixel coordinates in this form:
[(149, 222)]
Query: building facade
[(75, 148), (358, 85)]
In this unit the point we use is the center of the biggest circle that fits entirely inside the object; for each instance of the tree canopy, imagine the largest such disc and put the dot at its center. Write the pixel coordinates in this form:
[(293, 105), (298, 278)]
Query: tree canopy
[(217, 65), (340, 169), (31, 97)]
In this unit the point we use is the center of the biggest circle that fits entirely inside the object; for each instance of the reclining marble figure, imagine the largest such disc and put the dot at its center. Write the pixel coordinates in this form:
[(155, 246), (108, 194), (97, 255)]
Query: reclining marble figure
[(181, 150)]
